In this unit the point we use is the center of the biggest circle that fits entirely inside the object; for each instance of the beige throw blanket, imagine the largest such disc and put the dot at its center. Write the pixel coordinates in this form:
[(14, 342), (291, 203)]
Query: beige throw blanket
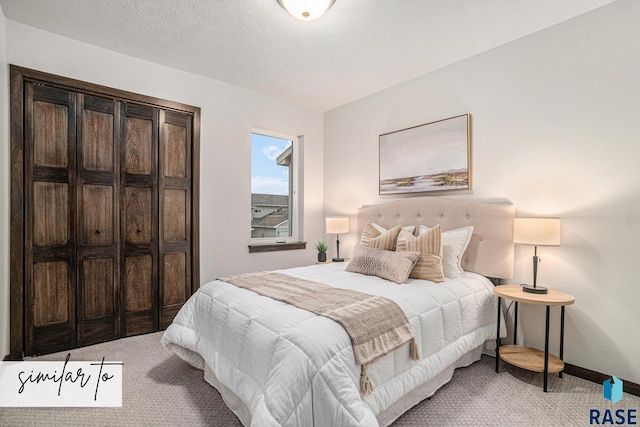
[(376, 325)]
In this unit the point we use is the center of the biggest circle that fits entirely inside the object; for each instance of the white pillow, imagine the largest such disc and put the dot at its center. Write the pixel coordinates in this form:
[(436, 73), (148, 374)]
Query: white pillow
[(454, 243)]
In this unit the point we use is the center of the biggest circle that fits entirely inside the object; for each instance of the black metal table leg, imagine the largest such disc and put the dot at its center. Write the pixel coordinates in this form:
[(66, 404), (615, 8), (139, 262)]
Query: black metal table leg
[(546, 350), (515, 325), (561, 337), (498, 337)]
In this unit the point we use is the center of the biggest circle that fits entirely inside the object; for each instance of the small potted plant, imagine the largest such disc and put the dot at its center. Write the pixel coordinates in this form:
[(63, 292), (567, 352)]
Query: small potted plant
[(322, 248)]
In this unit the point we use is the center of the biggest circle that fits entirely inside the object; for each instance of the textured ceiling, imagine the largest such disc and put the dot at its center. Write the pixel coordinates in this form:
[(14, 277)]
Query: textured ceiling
[(358, 48)]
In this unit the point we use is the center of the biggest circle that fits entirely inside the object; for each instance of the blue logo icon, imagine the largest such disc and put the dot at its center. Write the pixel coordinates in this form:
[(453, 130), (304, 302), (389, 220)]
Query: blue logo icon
[(612, 389)]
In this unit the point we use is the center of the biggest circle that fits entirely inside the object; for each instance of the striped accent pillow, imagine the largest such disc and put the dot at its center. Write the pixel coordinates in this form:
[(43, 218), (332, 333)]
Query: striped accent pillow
[(377, 239), (429, 265), (454, 243)]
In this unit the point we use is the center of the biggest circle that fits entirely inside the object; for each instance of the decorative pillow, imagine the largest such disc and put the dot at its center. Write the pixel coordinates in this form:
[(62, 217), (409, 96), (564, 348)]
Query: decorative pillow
[(381, 229), (454, 243), (374, 238), (389, 265), (429, 243)]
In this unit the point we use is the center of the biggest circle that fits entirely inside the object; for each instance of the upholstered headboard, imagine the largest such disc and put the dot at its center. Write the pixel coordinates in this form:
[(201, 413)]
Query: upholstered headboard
[(490, 251)]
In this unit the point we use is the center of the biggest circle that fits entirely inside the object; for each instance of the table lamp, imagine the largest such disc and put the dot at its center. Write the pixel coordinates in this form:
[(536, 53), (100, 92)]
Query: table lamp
[(337, 225), (536, 232)]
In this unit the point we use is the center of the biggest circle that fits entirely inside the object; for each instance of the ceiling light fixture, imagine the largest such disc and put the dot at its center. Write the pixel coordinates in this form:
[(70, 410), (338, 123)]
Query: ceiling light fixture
[(306, 10)]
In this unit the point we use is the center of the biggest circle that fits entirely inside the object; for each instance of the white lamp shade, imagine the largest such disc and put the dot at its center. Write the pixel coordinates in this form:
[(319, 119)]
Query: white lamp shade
[(337, 224), (537, 231), (306, 10)]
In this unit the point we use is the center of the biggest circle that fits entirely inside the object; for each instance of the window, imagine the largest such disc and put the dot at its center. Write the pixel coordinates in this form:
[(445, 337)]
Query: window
[(274, 207)]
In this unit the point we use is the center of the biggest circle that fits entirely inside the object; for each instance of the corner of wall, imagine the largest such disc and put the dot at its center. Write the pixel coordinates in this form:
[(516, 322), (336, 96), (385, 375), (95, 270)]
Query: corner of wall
[(4, 191)]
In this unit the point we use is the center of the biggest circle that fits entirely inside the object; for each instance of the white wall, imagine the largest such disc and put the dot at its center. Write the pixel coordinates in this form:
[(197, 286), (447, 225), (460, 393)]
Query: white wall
[(4, 192), (228, 114), (556, 131)]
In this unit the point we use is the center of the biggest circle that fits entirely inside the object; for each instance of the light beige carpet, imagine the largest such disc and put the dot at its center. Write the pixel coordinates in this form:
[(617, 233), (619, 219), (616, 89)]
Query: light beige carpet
[(159, 389)]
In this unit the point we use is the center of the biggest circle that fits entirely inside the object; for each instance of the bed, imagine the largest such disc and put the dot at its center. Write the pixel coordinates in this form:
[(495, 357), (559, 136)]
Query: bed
[(277, 365)]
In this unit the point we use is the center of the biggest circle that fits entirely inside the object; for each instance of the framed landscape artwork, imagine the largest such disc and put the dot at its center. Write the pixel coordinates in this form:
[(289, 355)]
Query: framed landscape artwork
[(431, 157)]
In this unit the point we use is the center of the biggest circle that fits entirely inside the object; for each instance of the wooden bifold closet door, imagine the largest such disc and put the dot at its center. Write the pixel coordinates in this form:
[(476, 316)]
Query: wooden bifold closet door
[(103, 212), (140, 219), (175, 203), (97, 198), (50, 226)]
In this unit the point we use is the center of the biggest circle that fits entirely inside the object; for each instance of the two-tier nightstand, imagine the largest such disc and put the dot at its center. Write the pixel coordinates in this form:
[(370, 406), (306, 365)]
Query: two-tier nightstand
[(529, 358)]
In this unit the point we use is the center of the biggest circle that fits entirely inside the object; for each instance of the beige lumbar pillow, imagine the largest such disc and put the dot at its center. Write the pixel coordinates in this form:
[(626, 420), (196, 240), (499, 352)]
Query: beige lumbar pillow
[(389, 265), (429, 244), (374, 238)]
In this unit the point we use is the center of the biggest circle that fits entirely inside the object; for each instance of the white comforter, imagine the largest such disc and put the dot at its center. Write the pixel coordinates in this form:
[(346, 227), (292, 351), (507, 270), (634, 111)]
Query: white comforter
[(277, 365)]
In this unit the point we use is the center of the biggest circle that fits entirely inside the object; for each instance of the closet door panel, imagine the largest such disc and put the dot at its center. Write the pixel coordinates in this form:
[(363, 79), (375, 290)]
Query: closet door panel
[(51, 293), (98, 300), (141, 312), (174, 279), (98, 206), (49, 214), (98, 192), (137, 215), (174, 146), (175, 216), (140, 219), (175, 285), (51, 134), (175, 207), (139, 144), (51, 218), (100, 291), (97, 141), (139, 283)]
